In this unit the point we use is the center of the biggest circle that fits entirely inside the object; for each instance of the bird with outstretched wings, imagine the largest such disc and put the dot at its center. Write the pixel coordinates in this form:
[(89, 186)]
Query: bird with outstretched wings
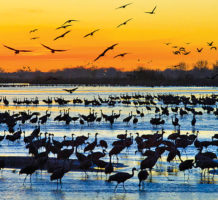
[(69, 21), (105, 51), (121, 55), (70, 90), (53, 50), (63, 35), (63, 26), (124, 6), (16, 51), (91, 34), (124, 23), (152, 12)]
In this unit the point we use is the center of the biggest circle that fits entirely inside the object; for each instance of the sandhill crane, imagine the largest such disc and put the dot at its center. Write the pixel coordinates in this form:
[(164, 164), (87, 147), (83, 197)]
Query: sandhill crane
[(58, 174), (103, 144), (142, 176), (109, 168), (127, 119), (121, 177), (186, 165), (122, 136), (193, 120), (92, 145), (29, 170)]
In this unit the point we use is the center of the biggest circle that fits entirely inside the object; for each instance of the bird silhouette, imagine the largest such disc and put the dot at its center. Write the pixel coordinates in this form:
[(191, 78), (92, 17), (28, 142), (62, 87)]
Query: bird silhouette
[(29, 170), (186, 53), (124, 6), (142, 176), (58, 174), (167, 43), (213, 48), (176, 52), (105, 51), (210, 43), (121, 55), (63, 26), (34, 38), (63, 35), (182, 49), (16, 51), (91, 34), (124, 23), (121, 177), (152, 12), (34, 30), (71, 90), (69, 21), (199, 50), (53, 50)]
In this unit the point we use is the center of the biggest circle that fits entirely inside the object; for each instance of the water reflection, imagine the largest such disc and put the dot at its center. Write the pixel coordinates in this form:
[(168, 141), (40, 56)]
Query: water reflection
[(118, 197), (58, 194)]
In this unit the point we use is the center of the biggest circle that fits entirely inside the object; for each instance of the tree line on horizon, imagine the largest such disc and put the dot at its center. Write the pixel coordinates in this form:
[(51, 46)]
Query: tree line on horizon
[(179, 75)]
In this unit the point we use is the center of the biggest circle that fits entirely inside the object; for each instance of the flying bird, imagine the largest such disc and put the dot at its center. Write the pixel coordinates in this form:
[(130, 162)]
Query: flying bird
[(34, 38), (105, 51), (182, 49), (121, 55), (16, 51), (167, 43), (71, 90), (210, 43), (124, 6), (174, 47), (186, 53), (34, 30), (91, 34), (176, 52), (199, 50), (61, 36), (124, 23), (213, 48), (70, 20), (63, 26), (152, 12), (52, 50)]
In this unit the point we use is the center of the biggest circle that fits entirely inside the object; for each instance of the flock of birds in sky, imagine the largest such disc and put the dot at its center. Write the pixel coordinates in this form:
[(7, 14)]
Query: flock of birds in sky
[(179, 50)]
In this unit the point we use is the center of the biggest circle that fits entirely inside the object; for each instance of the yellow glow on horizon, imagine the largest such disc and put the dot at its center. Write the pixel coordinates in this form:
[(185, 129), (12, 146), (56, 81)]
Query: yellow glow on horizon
[(175, 21)]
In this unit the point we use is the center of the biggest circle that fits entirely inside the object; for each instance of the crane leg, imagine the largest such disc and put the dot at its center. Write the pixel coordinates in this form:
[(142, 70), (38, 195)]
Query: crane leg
[(124, 187), (25, 179), (184, 176), (30, 180), (60, 183), (116, 187), (139, 185)]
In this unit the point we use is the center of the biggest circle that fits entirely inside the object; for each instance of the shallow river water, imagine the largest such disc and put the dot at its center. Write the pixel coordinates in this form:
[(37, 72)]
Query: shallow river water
[(166, 182)]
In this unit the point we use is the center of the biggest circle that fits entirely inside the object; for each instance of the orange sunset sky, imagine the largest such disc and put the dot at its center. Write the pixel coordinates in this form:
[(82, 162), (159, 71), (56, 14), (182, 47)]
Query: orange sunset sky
[(175, 21)]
